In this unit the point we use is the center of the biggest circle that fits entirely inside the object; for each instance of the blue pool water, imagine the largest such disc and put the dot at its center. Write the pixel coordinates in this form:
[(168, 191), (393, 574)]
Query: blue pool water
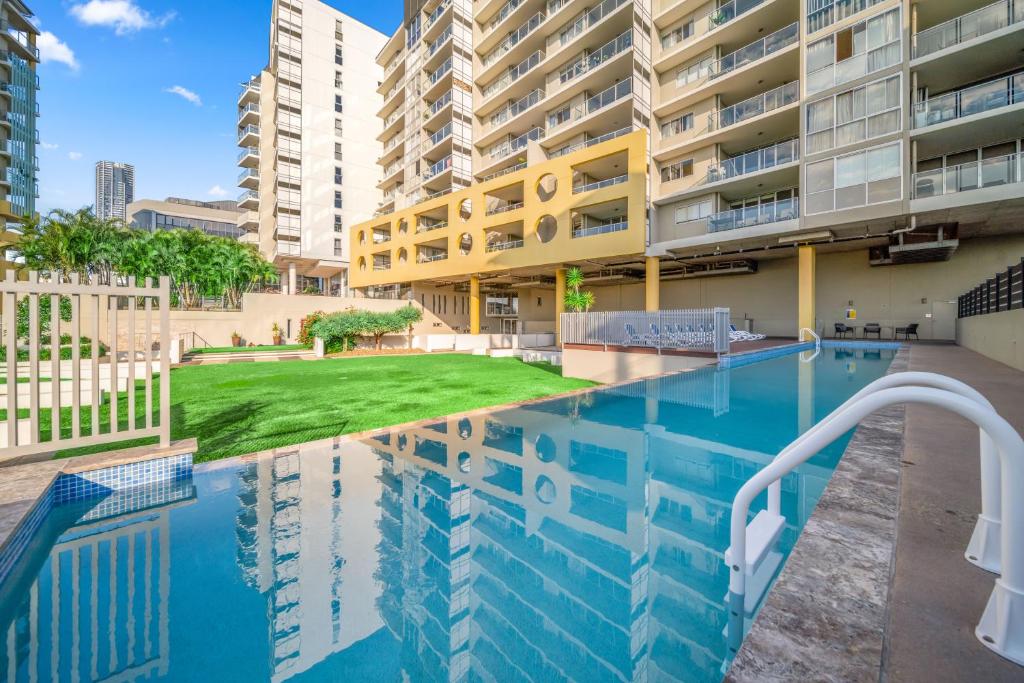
[(577, 539)]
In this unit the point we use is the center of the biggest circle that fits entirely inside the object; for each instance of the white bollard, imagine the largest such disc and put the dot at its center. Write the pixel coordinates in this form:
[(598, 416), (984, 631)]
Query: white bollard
[(318, 347)]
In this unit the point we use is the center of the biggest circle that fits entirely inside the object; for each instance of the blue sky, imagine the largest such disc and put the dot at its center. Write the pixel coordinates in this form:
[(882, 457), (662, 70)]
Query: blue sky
[(152, 83)]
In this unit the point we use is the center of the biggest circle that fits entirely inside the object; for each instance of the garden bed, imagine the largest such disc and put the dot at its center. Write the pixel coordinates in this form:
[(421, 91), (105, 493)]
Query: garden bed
[(247, 349)]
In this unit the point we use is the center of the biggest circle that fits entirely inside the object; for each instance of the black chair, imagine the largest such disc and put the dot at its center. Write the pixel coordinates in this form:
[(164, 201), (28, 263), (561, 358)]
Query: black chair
[(842, 330), (872, 328), (910, 329)]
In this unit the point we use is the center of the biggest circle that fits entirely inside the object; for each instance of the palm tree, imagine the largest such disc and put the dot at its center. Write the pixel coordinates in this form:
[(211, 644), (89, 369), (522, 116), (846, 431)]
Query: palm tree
[(576, 300)]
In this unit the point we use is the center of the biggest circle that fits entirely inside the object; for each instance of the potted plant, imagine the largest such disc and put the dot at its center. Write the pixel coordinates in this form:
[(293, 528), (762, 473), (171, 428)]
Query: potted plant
[(276, 334), (236, 339)]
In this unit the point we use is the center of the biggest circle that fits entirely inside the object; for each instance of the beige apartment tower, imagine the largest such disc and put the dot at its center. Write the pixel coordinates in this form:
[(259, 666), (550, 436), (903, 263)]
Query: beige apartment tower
[(307, 133)]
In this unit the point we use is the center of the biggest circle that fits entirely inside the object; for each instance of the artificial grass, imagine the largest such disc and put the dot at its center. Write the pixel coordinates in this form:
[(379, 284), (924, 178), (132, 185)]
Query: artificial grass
[(233, 409), (247, 349)]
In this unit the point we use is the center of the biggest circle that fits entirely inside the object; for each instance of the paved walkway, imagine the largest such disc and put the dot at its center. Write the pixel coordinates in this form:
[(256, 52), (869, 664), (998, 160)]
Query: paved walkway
[(937, 596)]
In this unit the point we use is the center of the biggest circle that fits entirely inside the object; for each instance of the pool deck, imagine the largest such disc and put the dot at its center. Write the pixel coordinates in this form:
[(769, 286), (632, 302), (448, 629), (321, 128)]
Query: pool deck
[(877, 587)]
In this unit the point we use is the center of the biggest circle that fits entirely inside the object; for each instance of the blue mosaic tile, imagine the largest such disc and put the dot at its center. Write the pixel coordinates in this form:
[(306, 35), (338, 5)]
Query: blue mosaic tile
[(859, 344), (19, 540), (84, 485), (737, 360)]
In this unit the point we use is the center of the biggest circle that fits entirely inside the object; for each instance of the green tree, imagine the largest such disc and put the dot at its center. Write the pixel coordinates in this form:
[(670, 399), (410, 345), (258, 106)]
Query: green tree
[(576, 299)]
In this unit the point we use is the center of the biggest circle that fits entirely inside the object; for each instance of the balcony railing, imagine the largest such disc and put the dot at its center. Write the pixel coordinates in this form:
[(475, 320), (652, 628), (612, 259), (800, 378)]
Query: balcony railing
[(603, 99), (822, 13), (977, 99), (588, 19), (968, 26), (755, 51), (504, 208), (439, 73), (441, 39), (513, 74), (512, 40), (516, 108), (248, 151), (430, 258), (395, 115), (597, 57), (569, 149), (504, 171), (505, 10), (439, 135), (709, 22), (505, 245), (771, 212), (251, 108), (601, 229), (248, 195), (1004, 170), (510, 147), (757, 160), (248, 130), (439, 103), (248, 173), (438, 168), (597, 185), (755, 106), (382, 265), (436, 14), (426, 225)]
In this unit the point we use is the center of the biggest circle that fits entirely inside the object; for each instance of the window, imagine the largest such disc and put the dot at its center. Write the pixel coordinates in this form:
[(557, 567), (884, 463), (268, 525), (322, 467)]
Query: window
[(679, 169), (863, 113), (337, 200), (557, 118), (694, 72), (339, 34), (337, 247), (337, 79), (677, 35), (337, 175), (337, 151), (677, 125), (693, 212), (866, 177), (337, 223), (338, 56), (850, 53), (337, 127), (337, 103)]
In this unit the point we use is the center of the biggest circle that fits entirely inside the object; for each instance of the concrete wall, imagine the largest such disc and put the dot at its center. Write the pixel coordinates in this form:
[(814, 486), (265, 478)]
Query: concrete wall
[(614, 366), (890, 295), (1000, 336)]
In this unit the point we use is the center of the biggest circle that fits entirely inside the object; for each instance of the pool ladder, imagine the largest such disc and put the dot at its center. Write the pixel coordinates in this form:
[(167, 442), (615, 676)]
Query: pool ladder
[(817, 344), (997, 544)]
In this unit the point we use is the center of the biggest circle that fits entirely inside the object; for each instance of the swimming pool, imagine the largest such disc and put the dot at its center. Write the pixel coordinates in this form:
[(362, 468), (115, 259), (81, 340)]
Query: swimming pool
[(573, 539)]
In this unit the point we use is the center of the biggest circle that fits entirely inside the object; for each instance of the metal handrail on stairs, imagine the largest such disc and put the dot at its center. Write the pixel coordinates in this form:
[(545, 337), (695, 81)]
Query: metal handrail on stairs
[(1001, 627)]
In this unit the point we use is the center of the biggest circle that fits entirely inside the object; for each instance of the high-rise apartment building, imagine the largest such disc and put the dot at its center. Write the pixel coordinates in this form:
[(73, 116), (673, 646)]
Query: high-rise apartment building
[(308, 132), (19, 166), (115, 189), (877, 143)]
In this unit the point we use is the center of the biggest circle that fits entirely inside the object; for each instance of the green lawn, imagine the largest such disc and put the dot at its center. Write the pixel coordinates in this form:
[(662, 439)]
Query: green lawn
[(239, 408), (247, 349)]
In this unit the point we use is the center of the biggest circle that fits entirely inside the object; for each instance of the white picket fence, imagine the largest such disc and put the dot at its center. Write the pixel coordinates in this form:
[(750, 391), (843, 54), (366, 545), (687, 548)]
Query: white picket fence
[(93, 380), (696, 329)]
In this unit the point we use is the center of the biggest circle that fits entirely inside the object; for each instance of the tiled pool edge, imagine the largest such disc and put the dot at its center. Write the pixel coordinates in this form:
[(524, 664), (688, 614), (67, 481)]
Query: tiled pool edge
[(825, 618)]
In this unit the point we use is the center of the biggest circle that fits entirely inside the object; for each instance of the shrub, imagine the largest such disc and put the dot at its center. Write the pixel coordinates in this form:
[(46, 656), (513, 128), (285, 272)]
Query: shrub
[(22, 326), (305, 336), (340, 330)]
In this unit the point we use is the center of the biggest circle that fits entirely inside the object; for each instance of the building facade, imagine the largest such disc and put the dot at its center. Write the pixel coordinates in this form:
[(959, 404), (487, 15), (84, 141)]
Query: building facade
[(19, 170), (873, 146), (115, 189), (308, 138), (219, 219)]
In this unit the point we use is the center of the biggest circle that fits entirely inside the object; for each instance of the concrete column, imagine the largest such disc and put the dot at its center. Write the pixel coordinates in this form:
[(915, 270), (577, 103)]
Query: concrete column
[(474, 304), (806, 300), (652, 284), (293, 279), (559, 303)]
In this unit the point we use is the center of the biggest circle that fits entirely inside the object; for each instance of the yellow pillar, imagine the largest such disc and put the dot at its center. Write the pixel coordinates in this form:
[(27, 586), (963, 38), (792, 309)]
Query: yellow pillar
[(806, 257), (559, 303), (652, 280), (474, 304)]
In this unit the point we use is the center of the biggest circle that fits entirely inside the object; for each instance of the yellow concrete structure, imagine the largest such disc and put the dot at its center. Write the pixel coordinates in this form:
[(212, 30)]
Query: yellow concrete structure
[(652, 284), (447, 238), (559, 303), (806, 265), (474, 304)]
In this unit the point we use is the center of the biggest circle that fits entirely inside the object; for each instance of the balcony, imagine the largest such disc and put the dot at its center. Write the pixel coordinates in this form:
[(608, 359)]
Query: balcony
[(596, 58), (439, 104), (438, 168), (560, 122), (19, 40), (510, 147), (250, 92), (248, 135), (569, 33), (438, 136), (502, 14), (249, 220), (250, 199), (755, 51), (430, 254), (599, 184), (976, 175), (249, 178), (513, 39), (755, 106), (436, 14), (514, 109), (249, 114), (750, 216), (831, 11), (968, 26), (504, 245), (441, 40), (427, 224), (286, 248), (250, 156), (977, 99), (758, 160), (512, 75), (589, 230)]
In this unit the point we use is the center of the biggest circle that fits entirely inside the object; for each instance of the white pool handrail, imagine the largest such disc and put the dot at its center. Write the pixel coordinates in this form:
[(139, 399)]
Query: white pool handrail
[(1001, 628), (983, 549), (814, 335)]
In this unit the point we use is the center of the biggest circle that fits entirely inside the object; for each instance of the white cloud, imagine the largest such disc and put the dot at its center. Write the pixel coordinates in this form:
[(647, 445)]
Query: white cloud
[(51, 49), (217, 191), (48, 145), (74, 156), (186, 94), (124, 16)]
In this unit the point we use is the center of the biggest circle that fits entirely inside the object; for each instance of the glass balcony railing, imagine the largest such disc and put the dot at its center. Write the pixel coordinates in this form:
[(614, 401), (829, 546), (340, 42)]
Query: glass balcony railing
[(248, 151), (439, 73), (597, 57), (503, 208), (755, 51), (600, 228), (248, 173), (757, 160), (1004, 170), (516, 108), (968, 26), (436, 14), (439, 135), (588, 19), (428, 224), (822, 13), (569, 149), (251, 108), (505, 10), (440, 103), (513, 74), (441, 40), (755, 106), (771, 212), (504, 245), (510, 147), (425, 257), (598, 184), (438, 168), (977, 99), (591, 105), (248, 195), (513, 39), (248, 130)]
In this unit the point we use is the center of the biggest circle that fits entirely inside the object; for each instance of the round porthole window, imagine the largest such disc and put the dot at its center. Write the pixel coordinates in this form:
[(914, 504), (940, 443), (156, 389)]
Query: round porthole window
[(403, 226), (465, 428), (546, 449), (547, 186), (465, 243), (362, 237), (545, 490), (464, 462), (403, 255), (362, 263), (547, 228), (466, 209)]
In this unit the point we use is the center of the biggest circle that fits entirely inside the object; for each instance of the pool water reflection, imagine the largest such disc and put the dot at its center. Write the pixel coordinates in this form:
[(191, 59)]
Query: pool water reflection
[(577, 539)]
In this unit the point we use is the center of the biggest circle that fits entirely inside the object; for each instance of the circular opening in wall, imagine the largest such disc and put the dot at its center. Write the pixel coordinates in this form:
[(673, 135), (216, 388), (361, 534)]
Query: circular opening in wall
[(547, 228), (465, 243), (362, 263), (546, 449), (464, 462), (465, 428), (465, 209), (547, 186), (403, 226), (362, 237), (403, 255), (545, 489)]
